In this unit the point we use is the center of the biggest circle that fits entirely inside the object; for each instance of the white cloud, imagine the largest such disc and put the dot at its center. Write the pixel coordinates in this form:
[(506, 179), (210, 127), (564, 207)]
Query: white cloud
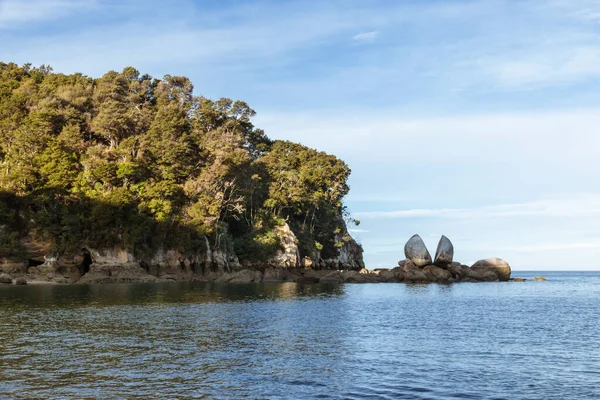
[(366, 37)]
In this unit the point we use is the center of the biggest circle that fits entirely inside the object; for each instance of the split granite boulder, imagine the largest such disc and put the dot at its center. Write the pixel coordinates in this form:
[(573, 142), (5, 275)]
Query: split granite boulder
[(418, 266), (444, 253), (416, 251)]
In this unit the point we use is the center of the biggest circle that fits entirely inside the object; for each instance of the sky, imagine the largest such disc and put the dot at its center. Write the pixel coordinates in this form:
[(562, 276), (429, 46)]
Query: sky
[(479, 120)]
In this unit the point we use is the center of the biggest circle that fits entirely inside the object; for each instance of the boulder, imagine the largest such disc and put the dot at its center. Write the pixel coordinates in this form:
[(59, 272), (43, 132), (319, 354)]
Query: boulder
[(307, 262), (388, 275), (518, 279), (20, 281), (437, 274), (444, 253), (416, 251), (399, 273), (5, 278), (457, 271), (413, 274), (483, 275), (539, 278), (496, 265)]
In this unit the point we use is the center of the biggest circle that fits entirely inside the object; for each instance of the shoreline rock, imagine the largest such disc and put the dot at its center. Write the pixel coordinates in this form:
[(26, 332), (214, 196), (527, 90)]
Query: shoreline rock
[(496, 265), (117, 265)]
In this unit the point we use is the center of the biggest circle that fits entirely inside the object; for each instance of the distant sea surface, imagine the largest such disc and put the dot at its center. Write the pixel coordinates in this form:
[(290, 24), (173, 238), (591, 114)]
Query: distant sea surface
[(532, 340)]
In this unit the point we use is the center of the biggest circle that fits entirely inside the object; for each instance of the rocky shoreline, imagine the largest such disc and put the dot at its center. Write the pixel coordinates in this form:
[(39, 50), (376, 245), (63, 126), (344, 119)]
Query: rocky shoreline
[(119, 266)]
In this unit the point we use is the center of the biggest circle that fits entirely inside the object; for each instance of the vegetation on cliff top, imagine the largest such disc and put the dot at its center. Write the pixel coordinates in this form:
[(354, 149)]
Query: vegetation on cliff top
[(127, 159)]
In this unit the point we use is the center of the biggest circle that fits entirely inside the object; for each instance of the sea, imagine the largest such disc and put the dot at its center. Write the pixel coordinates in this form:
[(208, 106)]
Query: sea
[(507, 340)]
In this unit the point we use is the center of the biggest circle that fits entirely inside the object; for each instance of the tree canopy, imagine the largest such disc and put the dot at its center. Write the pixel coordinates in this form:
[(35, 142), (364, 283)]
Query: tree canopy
[(141, 161)]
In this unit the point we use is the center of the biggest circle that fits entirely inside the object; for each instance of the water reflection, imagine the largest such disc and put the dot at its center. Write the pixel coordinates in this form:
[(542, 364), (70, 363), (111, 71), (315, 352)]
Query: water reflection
[(186, 340), (180, 292)]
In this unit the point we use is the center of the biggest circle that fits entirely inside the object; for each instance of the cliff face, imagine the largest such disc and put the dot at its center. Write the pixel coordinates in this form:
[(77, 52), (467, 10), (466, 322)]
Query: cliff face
[(119, 264)]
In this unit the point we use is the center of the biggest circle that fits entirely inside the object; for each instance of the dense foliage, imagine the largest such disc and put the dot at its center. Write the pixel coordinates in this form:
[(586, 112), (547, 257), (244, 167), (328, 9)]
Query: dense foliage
[(133, 160)]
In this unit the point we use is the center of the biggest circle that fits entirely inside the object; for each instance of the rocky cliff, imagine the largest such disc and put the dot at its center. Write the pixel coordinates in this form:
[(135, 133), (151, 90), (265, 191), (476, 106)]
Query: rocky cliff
[(119, 264)]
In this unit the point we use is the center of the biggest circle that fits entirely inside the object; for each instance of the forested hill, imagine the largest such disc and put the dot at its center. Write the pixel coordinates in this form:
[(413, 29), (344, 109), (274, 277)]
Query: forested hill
[(128, 159)]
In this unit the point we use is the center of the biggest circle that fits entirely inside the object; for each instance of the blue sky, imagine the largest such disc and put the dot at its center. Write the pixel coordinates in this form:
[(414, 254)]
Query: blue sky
[(479, 120)]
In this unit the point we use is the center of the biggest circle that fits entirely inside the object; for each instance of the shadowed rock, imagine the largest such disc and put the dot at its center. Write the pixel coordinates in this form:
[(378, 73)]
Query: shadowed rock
[(444, 253), (496, 265), (437, 274), (416, 251), (5, 278), (20, 281)]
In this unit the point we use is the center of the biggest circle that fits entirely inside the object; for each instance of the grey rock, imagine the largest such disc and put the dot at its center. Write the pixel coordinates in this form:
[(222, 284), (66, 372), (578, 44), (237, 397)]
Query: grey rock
[(483, 275), (20, 281), (243, 276), (332, 277), (389, 275), (129, 272), (416, 251), (437, 274), (273, 275), (5, 278), (444, 253), (496, 265)]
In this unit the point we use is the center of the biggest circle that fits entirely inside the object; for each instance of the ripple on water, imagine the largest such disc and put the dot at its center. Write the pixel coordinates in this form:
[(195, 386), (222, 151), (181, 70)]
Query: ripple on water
[(480, 341)]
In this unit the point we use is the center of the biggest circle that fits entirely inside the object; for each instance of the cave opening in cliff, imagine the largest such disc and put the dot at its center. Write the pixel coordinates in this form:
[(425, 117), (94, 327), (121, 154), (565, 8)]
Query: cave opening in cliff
[(84, 268), (34, 263)]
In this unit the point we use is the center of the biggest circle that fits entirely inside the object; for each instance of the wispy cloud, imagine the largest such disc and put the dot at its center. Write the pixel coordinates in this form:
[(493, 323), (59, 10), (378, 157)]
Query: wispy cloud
[(352, 230), (15, 12), (580, 206), (366, 37), (539, 247), (554, 64), (485, 138)]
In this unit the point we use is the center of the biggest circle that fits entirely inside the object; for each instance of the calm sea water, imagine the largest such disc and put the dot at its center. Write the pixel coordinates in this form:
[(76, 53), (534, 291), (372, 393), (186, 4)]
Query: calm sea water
[(533, 340)]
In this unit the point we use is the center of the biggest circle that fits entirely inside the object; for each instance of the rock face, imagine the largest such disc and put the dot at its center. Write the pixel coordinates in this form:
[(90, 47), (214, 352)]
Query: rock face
[(444, 253), (416, 251), (289, 256), (350, 255), (243, 276), (5, 278), (116, 273), (12, 268), (496, 265)]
